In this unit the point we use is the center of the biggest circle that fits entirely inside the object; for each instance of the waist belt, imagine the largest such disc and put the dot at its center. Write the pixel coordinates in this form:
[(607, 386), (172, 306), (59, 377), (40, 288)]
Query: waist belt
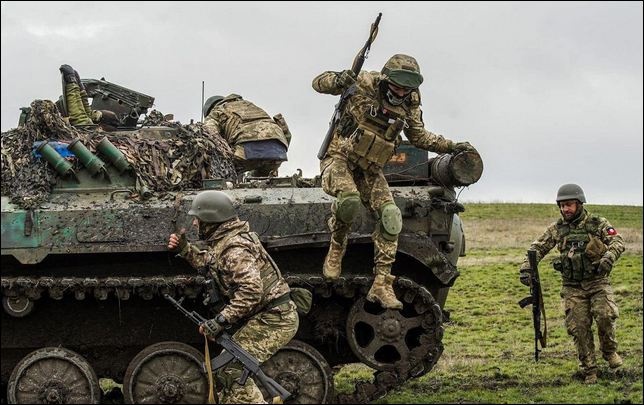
[(282, 299)]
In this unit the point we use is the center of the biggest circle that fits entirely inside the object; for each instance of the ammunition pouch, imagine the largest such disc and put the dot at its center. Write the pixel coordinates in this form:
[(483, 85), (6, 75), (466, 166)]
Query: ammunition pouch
[(303, 299), (370, 149), (226, 376)]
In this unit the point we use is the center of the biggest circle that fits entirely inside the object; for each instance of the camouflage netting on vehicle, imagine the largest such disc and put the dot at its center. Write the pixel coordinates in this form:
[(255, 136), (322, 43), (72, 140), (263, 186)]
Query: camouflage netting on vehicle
[(179, 162)]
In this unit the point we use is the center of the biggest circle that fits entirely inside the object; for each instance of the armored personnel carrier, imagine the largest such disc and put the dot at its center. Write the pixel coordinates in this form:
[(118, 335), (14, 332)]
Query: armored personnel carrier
[(83, 273)]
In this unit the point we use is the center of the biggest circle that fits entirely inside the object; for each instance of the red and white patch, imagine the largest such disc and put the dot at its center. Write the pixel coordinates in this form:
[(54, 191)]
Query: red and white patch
[(611, 231)]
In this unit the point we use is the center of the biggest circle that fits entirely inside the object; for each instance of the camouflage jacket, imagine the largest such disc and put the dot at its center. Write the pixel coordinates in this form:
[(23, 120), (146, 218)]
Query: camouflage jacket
[(594, 226), (238, 121), (241, 267), (367, 99)]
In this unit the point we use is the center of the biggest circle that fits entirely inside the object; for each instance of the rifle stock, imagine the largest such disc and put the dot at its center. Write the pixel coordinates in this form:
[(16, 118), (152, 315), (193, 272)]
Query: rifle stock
[(358, 61)]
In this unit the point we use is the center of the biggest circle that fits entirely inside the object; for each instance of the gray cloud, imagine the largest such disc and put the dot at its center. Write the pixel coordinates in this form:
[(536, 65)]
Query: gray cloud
[(549, 93)]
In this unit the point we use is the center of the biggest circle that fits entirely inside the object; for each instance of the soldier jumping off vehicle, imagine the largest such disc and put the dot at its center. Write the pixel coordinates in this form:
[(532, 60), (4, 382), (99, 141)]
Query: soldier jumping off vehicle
[(256, 292), (74, 105), (588, 248), (380, 105), (259, 142)]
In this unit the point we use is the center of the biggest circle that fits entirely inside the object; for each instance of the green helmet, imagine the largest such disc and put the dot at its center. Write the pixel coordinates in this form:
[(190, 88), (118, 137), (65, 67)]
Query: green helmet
[(570, 192), (211, 102), (213, 206), (403, 71)]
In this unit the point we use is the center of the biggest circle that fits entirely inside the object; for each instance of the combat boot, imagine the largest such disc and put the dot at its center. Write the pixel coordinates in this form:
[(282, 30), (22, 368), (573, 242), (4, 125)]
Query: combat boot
[(614, 360), (591, 377), (333, 260), (382, 291), (69, 74)]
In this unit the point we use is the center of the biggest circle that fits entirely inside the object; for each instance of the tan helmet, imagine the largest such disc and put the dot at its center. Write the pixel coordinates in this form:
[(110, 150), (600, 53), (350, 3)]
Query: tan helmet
[(213, 206), (570, 192), (402, 70)]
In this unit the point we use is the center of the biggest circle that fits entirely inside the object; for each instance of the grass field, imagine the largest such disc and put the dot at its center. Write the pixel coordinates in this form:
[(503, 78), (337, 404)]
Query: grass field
[(488, 355)]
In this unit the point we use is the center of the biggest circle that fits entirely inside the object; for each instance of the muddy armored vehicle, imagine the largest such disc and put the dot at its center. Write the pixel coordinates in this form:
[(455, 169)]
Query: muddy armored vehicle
[(84, 270)]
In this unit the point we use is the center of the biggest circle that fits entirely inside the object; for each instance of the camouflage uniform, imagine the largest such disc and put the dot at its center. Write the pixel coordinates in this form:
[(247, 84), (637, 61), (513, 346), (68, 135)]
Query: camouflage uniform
[(363, 141), (240, 123), (586, 292), (242, 269)]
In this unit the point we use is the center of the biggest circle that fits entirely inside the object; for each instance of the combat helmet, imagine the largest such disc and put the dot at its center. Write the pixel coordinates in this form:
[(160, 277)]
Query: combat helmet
[(211, 102), (403, 71), (212, 206), (570, 192)]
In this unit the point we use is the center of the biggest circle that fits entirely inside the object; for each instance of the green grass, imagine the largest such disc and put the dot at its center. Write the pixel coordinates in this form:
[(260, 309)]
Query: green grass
[(489, 344)]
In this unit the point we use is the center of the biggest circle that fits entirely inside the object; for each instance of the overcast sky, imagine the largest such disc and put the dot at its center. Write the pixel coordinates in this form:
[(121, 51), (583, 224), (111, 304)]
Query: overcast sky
[(549, 93)]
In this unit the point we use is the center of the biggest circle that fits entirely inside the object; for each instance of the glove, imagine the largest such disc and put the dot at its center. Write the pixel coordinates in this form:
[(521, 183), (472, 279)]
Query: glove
[(69, 74), (605, 266), (177, 243), (524, 278), (213, 327), (463, 147), (346, 78)]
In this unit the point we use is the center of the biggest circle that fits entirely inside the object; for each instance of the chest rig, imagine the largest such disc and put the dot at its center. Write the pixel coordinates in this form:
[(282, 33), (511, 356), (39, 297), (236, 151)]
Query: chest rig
[(373, 131), (269, 272), (575, 263)]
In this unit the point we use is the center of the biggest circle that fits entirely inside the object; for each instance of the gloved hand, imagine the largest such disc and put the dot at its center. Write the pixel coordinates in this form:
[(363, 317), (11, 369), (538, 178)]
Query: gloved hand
[(177, 243), (346, 78), (605, 266), (213, 327), (524, 277), (463, 147), (69, 74)]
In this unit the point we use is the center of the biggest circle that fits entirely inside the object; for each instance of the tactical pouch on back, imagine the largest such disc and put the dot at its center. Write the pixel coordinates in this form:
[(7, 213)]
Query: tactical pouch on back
[(302, 299)]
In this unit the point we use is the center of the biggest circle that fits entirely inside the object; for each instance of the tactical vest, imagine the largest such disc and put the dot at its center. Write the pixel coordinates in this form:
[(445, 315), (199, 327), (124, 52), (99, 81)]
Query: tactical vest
[(269, 272), (575, 263), (375, 138)]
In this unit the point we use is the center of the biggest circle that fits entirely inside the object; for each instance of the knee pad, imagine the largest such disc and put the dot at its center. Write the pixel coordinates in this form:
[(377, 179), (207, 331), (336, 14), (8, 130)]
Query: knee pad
[(390, 221), (348, 206)]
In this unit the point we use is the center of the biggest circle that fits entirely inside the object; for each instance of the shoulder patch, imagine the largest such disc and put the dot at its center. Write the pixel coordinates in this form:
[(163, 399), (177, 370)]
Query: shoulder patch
[(610, 231)]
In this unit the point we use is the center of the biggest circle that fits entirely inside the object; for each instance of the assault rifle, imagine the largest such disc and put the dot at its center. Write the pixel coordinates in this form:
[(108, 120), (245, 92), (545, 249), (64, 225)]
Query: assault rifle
[(536, 299), (235, 352), (339, 108), (127, 104)]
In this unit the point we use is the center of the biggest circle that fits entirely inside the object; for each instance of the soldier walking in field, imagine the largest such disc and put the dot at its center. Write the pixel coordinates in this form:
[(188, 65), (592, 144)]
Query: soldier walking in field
[(380, 105), (259, 142), (588, 248), (257, 295)]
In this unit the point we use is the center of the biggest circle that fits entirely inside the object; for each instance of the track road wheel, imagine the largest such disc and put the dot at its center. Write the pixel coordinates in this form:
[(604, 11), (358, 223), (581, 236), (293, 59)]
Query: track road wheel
[(166, 373), (303, 372), (381, 337), (53, 375)]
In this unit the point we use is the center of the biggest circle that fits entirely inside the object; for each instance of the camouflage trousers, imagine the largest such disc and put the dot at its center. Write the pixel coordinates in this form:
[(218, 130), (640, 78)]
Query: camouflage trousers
[(338, 175), (259, 168), (262, 336), (77, 105), (591, 300)]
